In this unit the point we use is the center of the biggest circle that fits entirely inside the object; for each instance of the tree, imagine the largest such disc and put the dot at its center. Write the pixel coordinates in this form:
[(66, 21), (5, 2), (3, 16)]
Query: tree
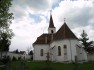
[(6, 18), (16, 51), (31, 52), (88, 45)]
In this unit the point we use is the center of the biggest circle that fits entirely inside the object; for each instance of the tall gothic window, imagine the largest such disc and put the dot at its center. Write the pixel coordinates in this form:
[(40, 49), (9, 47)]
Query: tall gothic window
[(65, 50), (59, 51), (41, 52)]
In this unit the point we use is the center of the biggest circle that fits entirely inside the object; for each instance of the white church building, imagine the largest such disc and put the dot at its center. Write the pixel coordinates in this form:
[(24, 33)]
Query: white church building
[(60, 46)]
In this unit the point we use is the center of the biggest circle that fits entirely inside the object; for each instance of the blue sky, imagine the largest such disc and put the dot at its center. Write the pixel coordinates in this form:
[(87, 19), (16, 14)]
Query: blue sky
[(92, 26), (55, 5), (32, 19), (36, 17)]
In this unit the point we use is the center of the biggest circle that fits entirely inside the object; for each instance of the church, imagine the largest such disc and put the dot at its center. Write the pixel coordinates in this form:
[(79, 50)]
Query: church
[(60, 46)]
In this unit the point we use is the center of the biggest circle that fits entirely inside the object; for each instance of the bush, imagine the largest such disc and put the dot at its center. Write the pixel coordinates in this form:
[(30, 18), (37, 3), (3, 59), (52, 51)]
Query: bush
[(19, 58), (5, 59), (14, 58), (8, 58), (31, 57)]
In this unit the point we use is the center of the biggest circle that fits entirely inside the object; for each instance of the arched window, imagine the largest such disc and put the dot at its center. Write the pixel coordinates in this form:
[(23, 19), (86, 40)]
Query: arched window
[(41, 52), (59, 51), (65, 46), (51, 31), (65, 50)]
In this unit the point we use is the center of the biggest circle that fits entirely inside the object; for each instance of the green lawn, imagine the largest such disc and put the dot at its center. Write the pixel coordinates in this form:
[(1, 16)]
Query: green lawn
[(52, 66)]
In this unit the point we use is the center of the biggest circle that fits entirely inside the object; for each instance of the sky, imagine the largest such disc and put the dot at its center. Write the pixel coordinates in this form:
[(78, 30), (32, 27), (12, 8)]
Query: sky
[(31, 19)]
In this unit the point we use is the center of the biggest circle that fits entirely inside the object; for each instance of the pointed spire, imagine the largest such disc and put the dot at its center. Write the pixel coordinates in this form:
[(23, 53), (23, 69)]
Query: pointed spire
[(51, 24)]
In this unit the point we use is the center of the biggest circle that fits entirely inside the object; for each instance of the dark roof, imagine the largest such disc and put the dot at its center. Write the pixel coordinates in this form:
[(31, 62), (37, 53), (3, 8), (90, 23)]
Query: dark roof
[(64, 33), (21, 52), (51, 24), (41, 39)]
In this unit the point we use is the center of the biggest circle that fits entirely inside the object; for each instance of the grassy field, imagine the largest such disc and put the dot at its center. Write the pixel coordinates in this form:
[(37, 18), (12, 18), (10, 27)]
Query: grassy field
[(52, 66), (43, 66)]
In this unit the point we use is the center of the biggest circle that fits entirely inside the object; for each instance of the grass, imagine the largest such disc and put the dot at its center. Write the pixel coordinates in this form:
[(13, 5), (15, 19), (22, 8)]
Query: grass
[(52, 66)]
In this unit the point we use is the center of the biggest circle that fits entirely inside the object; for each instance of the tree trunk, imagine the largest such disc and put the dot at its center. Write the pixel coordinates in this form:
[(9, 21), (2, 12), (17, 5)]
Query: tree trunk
[(1, 55)]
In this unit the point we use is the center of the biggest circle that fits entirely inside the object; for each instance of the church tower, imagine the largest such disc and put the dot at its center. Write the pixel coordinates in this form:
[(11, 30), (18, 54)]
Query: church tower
[(51, 28)]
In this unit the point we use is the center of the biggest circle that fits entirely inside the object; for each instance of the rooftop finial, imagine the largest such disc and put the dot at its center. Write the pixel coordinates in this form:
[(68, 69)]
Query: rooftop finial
[(64, 19), (50, 12)]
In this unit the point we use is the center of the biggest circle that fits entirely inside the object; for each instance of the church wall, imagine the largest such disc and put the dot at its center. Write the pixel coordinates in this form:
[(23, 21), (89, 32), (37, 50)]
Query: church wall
[(85, 58), (90, 57), (85, 55), (71, 50), (81, 54), (53, 51), (73, 44), (37, 49)]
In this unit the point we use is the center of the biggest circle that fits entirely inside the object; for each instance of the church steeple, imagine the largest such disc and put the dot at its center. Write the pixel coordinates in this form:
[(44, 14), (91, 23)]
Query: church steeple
[(51, 24), (51, 28)]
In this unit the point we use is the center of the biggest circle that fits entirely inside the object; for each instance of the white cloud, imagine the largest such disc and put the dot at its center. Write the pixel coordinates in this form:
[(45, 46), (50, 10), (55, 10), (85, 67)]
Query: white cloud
[(79, 15), (26, 32), (88, 30)]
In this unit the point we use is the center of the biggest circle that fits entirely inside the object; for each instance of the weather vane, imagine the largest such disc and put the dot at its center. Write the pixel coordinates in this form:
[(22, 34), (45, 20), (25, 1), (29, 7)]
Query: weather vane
[(64, 19)]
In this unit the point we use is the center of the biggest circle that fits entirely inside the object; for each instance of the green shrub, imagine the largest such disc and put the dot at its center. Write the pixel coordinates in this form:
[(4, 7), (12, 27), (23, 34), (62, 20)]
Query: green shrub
[(14, 58)]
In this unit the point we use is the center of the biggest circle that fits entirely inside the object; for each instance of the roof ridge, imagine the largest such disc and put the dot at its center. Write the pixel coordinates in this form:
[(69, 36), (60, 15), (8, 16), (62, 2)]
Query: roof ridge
[(64, 32)]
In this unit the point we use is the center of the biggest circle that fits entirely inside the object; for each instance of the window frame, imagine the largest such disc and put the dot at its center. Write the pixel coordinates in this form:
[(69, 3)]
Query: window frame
[(59, 51), (41, 52)]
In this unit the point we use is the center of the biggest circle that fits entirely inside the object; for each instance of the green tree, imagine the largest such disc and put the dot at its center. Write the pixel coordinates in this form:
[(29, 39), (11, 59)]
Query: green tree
[(16, 51), (6, 18), (31, 52), (88, 45)]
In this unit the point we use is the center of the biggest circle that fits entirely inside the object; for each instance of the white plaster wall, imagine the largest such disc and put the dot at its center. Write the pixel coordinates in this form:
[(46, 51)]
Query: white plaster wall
[(71, 49), (37, 49), (26, 56), (53, 51), (85, 55), (15, 55), (81, 54), (90, 57)]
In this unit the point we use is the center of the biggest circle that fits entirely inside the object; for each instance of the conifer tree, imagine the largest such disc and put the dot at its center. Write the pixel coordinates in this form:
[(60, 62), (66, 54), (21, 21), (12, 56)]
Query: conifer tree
[(88, 45)]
